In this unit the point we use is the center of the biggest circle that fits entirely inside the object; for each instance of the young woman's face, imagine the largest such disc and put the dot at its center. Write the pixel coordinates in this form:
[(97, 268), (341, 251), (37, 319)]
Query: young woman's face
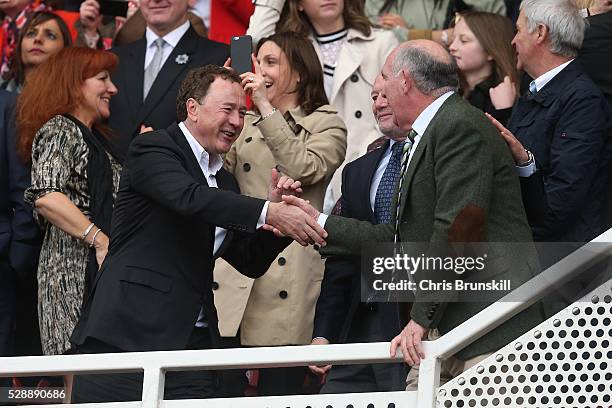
[(466, 49), (323, 12), (40, 42), (281, 80)]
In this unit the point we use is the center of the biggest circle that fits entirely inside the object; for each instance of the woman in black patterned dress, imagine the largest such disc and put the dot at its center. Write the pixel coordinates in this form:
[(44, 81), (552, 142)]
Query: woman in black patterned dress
[(74, 180)]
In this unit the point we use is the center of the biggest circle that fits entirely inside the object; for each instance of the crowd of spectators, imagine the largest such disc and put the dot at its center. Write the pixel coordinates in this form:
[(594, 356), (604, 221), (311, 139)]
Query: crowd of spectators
[(79, 86)]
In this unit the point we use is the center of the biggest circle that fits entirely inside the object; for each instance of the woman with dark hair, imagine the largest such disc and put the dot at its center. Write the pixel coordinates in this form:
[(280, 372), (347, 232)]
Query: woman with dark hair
[(430, 19), (296, 131), (487, 62), (43, 35), (351, 54), (74, 180)]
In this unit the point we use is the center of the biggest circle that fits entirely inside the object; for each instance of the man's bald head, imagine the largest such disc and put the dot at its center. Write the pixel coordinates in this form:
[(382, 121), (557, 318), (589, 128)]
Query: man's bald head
[(430, 66)]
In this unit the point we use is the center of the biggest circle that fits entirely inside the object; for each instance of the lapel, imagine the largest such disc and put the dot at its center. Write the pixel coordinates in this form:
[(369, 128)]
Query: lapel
[(192, 163), (168, 74), (369, 167), (225, 182), (421, 147), (348, 62), (134, 74)]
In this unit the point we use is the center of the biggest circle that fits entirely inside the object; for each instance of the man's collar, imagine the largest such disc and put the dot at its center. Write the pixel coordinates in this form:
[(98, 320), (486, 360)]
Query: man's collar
[(210, 163), (172, 38), (546, 77), (422, 121)]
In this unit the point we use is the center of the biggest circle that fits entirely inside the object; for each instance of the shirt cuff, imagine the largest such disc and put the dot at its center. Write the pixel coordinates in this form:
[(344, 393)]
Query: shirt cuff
[(526, 171), (322, 219), (262, 216)]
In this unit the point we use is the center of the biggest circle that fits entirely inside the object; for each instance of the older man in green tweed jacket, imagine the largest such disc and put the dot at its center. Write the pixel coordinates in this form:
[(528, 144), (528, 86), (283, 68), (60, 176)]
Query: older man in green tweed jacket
[(459, 185)]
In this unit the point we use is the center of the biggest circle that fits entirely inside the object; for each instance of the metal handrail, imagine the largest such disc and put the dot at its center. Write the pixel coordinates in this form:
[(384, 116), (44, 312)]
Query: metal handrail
[(155, 364)]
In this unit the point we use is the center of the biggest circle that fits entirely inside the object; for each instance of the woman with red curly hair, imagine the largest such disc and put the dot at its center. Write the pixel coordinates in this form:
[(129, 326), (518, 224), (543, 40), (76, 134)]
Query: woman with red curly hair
[(75, 178)]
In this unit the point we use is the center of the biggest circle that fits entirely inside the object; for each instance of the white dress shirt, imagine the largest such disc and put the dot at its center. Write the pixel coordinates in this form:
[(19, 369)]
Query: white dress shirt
[(540, 82), (420, 125), (210, 165), (172, 39)]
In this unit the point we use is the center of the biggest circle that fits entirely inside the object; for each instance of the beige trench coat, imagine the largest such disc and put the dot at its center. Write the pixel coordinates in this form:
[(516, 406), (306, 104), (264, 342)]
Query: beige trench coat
[(360, 61), (278, 308)]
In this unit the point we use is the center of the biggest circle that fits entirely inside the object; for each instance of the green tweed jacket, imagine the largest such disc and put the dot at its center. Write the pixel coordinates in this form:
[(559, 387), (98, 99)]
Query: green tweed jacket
[(460, 186)]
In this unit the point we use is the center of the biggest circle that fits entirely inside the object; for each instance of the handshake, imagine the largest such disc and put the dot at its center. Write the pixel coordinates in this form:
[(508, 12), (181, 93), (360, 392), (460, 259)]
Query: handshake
[(289, 215)]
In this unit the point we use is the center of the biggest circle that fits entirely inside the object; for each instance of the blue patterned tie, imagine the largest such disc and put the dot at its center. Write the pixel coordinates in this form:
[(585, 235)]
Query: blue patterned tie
[(388, 182)]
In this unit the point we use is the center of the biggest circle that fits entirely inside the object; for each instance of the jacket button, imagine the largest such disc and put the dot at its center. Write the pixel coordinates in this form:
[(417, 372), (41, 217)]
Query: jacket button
[(354, 78), (283, 294), (246, 167), (358, 114), (215, 286), (282, 261), (248, 139)]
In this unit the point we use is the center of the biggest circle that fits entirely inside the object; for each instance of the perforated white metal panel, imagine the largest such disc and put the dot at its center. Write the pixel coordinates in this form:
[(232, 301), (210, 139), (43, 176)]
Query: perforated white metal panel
[(564, 362)]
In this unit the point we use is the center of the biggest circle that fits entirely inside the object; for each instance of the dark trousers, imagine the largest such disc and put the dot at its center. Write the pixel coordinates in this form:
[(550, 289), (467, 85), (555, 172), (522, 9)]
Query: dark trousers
[(128, 386), (366, 328), (281, 381), (8, 311)]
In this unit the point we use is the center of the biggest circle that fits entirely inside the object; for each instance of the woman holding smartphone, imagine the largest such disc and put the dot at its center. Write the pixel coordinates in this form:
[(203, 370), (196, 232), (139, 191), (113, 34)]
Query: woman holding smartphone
[(351, 54), (293, 129)]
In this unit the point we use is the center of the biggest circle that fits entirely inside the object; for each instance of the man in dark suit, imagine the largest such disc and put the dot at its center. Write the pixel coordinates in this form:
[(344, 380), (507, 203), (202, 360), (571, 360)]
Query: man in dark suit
[(340, 317), (150, 70), (458, 185), (154, 288), (559, 133), (19, 235)]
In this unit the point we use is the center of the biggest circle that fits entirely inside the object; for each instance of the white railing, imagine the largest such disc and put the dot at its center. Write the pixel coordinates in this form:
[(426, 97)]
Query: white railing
[(155, 364)]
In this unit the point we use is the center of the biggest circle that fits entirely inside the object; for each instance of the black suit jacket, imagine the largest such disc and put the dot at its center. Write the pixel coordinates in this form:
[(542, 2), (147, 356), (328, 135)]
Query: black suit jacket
[(339, 303), (128, 110), (158, 272), (566, 126), (19, 234)]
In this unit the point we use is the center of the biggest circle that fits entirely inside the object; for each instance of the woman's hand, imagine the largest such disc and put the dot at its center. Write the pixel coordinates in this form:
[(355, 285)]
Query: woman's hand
[(503, 95), (390, 21), (255, 86), (282, 185), (90, 16), (101, 247)]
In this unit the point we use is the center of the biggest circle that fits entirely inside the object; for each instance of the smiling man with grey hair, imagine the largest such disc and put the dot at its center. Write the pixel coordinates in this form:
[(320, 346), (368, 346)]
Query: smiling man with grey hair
[(559, 132)]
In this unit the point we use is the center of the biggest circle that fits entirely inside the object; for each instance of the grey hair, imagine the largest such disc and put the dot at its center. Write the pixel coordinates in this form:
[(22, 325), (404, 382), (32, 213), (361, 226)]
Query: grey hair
[(565, 24), (431, 76)]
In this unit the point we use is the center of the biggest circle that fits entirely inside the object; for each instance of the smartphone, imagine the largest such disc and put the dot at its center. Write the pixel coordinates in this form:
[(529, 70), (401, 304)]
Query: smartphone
[(241, 48), (116, 8)]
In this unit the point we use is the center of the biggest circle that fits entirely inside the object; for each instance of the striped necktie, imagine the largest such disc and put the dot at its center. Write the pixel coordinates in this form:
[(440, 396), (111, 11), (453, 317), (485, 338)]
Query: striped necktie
[(407, 149)]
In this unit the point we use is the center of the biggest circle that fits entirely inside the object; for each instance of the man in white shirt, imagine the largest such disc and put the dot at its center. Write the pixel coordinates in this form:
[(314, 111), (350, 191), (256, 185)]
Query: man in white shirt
[(150, 70), (559, 132), (177, 210)]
